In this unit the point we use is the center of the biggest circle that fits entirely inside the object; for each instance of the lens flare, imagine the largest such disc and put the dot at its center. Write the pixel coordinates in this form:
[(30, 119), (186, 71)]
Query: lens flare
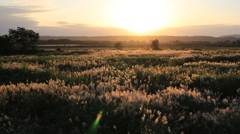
[(93, 128)]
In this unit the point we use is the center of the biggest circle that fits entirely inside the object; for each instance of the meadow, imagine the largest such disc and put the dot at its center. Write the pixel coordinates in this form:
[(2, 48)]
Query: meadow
[(138, 91)]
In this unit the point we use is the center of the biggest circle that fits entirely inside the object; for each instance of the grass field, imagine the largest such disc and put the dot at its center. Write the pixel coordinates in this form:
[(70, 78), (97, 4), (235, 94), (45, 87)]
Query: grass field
[(135, 46), (139, 91)]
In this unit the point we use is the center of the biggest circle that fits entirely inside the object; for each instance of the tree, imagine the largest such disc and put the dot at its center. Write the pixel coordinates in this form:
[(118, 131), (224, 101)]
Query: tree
[(23, 39), (155, 45), (5, 44), (118, 46), (20, 40)]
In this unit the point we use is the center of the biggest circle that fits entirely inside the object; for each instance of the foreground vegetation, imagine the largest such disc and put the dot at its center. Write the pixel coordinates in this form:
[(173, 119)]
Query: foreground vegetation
[(139, 91)]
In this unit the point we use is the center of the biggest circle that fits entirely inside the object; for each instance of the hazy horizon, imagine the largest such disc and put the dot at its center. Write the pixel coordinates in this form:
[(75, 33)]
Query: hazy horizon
[(122, 17)]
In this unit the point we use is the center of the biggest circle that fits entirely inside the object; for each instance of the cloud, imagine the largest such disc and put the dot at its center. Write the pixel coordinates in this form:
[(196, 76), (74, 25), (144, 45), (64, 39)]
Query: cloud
[(62, 22), (71, 29), (26, 3), (14, 16)]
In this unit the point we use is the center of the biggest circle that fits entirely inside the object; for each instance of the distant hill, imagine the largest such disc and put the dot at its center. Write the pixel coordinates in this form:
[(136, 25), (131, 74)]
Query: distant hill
[(233, 35), (146, 38)]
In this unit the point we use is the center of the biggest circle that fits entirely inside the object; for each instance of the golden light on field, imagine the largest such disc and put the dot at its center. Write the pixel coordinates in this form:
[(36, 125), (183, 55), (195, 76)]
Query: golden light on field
[(141, 15)]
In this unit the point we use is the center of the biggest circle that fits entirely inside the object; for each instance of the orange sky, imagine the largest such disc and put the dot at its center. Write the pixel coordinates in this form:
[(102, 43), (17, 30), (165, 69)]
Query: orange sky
[(122, 17)]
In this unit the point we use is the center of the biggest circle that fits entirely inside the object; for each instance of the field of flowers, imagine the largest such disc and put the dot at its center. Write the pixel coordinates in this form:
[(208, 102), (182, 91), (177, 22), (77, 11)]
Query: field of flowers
[(139, 92)]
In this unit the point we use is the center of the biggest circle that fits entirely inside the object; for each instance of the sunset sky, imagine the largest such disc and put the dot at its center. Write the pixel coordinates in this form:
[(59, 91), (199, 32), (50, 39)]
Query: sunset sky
[(122, 17)]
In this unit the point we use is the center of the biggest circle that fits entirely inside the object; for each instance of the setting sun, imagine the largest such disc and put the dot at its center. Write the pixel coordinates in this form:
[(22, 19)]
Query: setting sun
[(122, 17), (141, 15)]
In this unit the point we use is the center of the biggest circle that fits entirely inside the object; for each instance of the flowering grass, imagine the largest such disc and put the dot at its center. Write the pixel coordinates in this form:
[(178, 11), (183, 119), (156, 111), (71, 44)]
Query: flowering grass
[(139, 91)]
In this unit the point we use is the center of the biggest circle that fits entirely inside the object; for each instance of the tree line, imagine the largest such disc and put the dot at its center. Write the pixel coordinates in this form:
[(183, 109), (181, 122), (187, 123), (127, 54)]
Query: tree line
[(225, 43), (21, 41), (78, 42)]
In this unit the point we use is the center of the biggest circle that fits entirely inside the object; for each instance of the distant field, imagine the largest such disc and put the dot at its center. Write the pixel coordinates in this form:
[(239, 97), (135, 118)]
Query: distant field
[(138, 91), (85, 47), (132, 47)]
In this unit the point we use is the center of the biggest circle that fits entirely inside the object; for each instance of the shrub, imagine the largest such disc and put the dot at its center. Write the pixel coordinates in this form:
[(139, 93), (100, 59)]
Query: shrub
[(155, 45), (118, 46)]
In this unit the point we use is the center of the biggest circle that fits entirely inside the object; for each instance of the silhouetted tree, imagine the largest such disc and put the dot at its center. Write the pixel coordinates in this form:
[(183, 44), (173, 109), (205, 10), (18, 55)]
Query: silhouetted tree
[(18, 40), (118, 46), (24, 39), (5, 44), (155, 45)]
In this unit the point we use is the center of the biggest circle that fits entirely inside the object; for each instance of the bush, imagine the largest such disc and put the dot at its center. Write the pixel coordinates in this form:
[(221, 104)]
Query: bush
[(155, 45), (118, 46)]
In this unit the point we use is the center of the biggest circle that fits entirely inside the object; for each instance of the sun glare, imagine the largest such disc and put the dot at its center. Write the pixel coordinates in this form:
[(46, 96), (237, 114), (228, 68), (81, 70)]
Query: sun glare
[(141, 15)]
